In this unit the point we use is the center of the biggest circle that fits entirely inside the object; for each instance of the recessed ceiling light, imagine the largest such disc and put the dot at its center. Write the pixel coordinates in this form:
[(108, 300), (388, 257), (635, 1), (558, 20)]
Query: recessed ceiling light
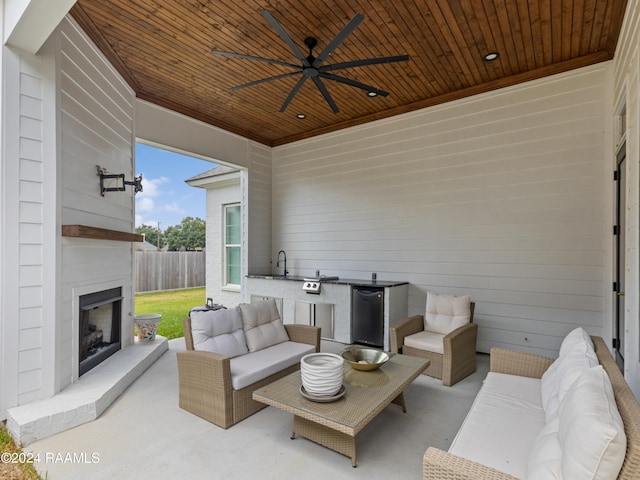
[(491, 56), (372, 94), (301, 116)]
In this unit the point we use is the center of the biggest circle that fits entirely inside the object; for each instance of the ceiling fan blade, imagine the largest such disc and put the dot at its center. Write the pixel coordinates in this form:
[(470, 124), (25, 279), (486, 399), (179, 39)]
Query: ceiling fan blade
[(293, 92), (263, 80), (326, 94), (353, 83), (251, 57), (287, 39), (338, 39), (364, 62)]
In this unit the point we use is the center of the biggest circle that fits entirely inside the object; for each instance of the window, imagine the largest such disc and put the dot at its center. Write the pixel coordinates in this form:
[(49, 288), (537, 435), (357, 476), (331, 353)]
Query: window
[(232, 264)]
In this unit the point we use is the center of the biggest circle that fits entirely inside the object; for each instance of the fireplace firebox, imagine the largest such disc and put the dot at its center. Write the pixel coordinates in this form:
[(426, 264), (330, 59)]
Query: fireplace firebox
[(100, 317)]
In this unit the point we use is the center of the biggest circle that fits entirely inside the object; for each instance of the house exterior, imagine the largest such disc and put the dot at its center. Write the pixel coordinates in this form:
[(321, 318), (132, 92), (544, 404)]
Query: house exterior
[(146, 247), (507, 196), (222, 184)]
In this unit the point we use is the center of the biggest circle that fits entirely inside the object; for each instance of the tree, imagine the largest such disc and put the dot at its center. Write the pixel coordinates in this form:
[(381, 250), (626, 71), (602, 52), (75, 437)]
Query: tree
[(151, 234), (190, 234)]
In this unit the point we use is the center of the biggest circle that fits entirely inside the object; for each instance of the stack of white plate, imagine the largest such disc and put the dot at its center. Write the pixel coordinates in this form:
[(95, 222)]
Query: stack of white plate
[(321, 373)]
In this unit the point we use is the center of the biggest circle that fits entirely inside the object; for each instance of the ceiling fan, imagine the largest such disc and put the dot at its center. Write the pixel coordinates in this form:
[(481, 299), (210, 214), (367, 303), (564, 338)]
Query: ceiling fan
[(312, 67)]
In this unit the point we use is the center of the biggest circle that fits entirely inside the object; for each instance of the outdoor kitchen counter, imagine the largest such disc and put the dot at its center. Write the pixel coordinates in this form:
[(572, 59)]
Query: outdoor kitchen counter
[(334, 295), (341, 281)]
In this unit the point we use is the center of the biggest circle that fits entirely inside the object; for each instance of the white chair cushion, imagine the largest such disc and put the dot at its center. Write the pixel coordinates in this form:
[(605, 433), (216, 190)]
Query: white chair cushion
[(429, 341), (591, 431), (262, 325), (502, 424), (219, 331), (253, 367), (444, 313)]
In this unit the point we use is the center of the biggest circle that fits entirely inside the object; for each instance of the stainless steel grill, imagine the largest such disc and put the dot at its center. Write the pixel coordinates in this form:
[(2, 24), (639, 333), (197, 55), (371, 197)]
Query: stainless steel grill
[(313, 285)]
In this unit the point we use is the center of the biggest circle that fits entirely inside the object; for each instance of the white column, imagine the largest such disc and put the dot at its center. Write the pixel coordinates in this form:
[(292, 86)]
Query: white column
[(28, 23)]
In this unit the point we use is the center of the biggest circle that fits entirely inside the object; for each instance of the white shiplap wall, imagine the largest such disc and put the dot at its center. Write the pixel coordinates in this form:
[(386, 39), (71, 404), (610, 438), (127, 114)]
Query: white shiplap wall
[(500, 196), (28, 223), (96, 128), (626, 79), (33, 376)]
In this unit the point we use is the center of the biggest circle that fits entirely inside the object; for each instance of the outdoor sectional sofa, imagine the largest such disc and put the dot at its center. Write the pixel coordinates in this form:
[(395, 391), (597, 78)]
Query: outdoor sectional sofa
[(540, 418), (232, 352)]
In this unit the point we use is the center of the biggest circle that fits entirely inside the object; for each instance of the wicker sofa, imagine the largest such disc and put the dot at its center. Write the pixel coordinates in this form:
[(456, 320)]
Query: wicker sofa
[(218, 371), (478, 457)]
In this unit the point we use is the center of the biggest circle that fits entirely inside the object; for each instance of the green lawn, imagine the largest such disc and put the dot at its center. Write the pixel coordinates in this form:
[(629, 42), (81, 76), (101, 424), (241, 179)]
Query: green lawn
[(173, 305), (15, 464)]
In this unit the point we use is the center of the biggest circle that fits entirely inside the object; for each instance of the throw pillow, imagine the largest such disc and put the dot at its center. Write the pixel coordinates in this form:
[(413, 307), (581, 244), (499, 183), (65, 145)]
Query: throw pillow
[(577, 337), (444, 313), (591, 431), (219, 331), (572, 365), (262, 325), (545, 459), (576, 355), (549, 390)]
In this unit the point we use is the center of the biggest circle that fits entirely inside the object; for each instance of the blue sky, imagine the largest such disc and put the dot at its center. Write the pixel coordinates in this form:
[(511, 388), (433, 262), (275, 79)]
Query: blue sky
[(165, 197)]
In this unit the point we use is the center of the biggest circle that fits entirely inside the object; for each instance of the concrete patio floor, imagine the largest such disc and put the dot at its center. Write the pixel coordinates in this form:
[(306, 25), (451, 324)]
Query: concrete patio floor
[(145, 435)]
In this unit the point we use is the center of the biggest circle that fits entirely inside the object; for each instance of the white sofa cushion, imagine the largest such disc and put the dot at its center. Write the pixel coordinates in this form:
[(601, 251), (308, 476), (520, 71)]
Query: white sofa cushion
[(576, 356), (576, 338), (444, 313), (591, 431), (262, 325), (502, 424), (255, 366), (571, 366), (429, 341), (219, 331), (545, 459), (549, 390)]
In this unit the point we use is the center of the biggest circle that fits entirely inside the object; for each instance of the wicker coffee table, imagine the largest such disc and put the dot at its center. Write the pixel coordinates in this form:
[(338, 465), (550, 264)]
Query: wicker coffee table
[(336, 424)]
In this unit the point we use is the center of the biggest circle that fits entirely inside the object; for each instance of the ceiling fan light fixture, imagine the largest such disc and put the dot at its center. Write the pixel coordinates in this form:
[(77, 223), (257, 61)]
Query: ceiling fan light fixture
[(312, 67), (491, 56), (372, 94), (301, 116)]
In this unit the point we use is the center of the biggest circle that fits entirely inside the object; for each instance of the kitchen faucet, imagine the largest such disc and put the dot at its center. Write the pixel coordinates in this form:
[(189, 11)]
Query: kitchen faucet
[(285, 262)]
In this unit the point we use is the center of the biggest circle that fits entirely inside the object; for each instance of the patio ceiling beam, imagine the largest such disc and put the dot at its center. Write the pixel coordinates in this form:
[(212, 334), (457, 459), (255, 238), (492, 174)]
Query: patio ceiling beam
[(28, 23)]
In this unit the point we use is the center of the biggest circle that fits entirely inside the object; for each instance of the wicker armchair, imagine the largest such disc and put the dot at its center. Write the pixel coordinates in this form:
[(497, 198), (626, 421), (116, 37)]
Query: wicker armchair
[(458, 359), (204, 380)]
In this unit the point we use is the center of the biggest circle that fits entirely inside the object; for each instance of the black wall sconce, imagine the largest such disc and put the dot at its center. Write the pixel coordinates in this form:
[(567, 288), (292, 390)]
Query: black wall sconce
[(119, 181)]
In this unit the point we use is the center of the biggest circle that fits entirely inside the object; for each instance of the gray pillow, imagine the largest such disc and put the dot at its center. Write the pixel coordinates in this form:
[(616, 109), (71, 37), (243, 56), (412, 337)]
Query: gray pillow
[(219, 331), (262, 325)]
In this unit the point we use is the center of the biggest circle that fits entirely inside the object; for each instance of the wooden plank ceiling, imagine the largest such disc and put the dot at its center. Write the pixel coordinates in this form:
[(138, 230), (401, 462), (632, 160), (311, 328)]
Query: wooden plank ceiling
[(163, 49)]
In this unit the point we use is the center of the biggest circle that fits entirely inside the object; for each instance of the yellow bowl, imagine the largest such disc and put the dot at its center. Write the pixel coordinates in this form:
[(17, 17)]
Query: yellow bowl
[(365, 359)]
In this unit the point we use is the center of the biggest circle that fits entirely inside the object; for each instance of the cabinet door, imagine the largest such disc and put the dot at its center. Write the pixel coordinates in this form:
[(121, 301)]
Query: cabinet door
[(323, 318), (302, 313), (317, 314)]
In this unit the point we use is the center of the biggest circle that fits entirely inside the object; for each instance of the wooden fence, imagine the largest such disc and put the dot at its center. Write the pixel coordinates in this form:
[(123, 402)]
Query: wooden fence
[(169, 270)]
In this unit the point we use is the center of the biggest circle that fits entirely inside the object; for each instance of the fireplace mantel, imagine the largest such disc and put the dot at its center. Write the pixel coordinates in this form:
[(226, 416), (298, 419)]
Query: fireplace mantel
[(84, 231)]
